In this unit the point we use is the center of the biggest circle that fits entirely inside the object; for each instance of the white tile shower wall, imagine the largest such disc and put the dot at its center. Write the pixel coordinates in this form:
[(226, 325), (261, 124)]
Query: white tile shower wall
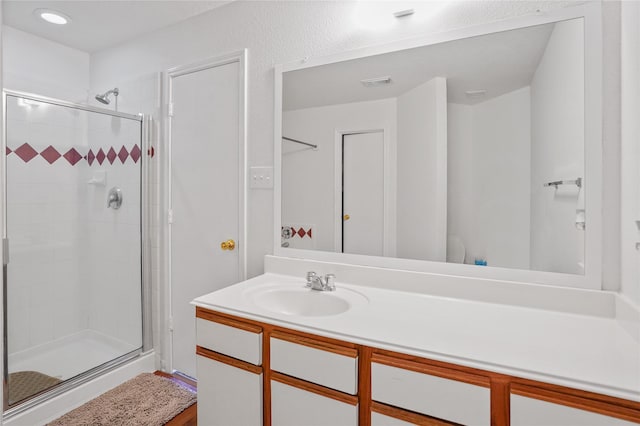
[(114, 299), (36, 65), (277, 32), (45, 224), (142, 94)]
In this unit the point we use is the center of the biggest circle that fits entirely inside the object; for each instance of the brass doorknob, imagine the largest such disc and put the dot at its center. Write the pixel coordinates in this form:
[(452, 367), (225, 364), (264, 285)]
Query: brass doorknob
[(228, 245), (346, 217)]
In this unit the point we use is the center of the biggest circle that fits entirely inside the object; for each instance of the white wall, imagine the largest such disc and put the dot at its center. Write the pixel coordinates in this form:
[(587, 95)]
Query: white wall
[(557, 152), (277, 32), (630, 190), (422, 172), (489, 178), (36, 65), (308, 184)]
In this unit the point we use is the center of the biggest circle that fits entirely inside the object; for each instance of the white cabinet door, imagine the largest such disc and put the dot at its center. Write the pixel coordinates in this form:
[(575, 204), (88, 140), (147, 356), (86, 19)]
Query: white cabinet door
[(441, 398), (291, 406), (533, 412), (228, 396), (329, 369)]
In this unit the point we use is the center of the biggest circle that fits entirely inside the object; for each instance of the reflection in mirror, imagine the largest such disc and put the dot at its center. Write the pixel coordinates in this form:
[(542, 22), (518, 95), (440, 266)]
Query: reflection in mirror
[(469, 151)]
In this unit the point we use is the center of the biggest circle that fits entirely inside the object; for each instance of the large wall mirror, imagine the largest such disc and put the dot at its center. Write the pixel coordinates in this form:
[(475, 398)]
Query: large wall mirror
[(473, 152)]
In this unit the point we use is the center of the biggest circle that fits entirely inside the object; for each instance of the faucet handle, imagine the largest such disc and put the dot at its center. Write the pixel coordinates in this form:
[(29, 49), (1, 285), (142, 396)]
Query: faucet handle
[(330, 282), (310, 276)]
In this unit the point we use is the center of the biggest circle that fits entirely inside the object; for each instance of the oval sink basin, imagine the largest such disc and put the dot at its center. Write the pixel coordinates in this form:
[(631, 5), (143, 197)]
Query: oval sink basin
[(302, 301)]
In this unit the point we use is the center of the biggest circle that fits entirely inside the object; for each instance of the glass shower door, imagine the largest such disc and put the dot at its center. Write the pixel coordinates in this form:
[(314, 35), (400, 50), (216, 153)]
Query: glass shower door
[(73, 284)]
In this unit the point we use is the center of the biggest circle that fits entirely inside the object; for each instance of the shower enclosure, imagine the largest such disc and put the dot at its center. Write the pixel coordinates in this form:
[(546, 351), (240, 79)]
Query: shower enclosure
[(73, 279)]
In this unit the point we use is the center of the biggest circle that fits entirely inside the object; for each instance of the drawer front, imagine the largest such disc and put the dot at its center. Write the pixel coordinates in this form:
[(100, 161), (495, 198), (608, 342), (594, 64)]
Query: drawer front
[(227, 395), (378, 419), (333, 370), (434, 396), (228, 340), (533, 412), (291, 406)]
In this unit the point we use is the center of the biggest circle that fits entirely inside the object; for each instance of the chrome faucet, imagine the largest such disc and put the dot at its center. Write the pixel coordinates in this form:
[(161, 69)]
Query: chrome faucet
[(316, 282)]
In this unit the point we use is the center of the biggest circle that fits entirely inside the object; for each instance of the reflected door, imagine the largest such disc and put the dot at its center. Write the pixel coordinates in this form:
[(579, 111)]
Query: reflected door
[(205, 179), (363, 193)]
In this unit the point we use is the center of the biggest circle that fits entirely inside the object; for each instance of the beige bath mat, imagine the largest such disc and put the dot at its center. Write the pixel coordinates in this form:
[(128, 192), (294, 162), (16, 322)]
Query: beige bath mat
[(23, 384), (147, 400)]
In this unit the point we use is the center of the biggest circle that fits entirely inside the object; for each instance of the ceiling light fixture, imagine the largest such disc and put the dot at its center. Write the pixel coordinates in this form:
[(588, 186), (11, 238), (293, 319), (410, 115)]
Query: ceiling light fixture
[(378, 81), (52, 16)]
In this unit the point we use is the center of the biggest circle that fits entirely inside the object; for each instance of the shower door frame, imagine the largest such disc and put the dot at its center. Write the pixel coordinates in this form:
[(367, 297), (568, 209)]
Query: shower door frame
[(145, 246)]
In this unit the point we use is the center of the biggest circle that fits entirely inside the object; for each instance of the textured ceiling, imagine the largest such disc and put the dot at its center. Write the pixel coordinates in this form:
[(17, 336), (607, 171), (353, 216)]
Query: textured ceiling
[(98, 24), (498, 63)]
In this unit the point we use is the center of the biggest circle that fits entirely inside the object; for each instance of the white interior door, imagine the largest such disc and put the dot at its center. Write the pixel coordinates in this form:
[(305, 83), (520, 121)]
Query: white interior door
[(363, 193), (207, 151)]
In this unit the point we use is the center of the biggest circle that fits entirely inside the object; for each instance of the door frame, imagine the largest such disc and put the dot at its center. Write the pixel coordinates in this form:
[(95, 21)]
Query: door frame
[(389, 173), (165, 322)]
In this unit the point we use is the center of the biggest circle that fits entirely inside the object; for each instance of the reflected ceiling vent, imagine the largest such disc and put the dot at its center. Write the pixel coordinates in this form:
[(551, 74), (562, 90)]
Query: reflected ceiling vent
[(374, 82), (473, 94), (403, 13)]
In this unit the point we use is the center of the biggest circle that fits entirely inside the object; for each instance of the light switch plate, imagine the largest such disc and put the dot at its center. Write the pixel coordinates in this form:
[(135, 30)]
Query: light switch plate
[(261, 177)]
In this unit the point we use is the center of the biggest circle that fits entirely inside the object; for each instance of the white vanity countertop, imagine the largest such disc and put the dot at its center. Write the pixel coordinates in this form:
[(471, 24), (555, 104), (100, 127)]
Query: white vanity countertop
[(584, 352)]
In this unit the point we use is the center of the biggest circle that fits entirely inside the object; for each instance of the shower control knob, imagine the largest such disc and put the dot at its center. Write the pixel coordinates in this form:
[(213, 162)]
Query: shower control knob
[(228, 245)]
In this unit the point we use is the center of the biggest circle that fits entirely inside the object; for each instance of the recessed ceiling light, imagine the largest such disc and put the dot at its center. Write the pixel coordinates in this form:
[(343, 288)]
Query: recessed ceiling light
[(52, 16), (373, 82)]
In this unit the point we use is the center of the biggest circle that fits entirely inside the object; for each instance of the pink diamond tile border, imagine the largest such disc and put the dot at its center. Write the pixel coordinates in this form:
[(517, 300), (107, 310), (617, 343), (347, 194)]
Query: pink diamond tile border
[(100, 156), (50, 154), (135, 153), (72, 156), (111, 155), (301, 232), (25, 152), (123, 154)]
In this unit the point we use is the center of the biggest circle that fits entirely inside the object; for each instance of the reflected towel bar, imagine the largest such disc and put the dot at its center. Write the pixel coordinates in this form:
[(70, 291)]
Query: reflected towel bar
[(577, 182), (303, 143)]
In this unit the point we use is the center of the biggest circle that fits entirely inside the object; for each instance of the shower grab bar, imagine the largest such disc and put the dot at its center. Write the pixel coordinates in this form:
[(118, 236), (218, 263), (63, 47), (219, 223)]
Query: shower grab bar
[(303, 143), (577, 182)]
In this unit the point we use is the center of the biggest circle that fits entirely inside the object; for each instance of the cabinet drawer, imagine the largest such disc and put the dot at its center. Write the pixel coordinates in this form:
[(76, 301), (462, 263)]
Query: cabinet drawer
[(317, 362), (533, 412), (378, 419), (291, 406), (228, 339), (434, 396), (227, 395)]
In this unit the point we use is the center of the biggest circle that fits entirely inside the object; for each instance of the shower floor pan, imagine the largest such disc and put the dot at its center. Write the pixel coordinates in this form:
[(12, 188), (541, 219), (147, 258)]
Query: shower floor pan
[(71, 355)]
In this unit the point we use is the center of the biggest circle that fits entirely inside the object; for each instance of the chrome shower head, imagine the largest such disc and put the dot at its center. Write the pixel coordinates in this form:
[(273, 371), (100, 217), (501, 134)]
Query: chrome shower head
[(104, 98)]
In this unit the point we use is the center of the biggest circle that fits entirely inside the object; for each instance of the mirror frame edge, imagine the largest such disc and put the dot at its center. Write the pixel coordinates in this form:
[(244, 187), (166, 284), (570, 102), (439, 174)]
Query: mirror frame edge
[(591, 12)]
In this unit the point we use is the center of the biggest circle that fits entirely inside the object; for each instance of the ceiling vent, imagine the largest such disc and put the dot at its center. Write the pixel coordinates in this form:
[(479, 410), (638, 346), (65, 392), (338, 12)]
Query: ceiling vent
[(374, 82)]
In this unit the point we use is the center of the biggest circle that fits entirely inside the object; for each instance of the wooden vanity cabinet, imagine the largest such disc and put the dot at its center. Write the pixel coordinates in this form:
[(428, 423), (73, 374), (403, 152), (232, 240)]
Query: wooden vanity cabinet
[(254, 373), (230, 373)]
